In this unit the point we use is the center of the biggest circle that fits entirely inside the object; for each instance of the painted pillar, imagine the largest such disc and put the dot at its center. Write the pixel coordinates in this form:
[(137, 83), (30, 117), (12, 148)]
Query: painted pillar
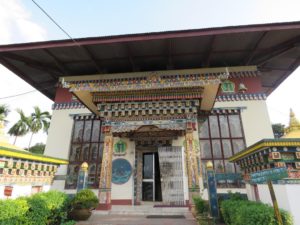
[(106, 170), (212, 190), (192, 161)]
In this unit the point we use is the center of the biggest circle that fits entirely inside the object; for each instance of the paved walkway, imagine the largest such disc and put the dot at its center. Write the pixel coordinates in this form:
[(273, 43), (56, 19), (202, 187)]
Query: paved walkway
[(97, 219)]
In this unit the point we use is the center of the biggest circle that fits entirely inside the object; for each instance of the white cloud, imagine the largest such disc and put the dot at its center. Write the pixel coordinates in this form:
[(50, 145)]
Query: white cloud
[(16, 25)]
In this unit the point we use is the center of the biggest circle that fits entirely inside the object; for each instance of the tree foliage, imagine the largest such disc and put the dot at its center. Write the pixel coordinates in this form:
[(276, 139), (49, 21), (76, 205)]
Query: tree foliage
[(4, 110), (38, 148), (21, 127), (278, 130), (38, 121)]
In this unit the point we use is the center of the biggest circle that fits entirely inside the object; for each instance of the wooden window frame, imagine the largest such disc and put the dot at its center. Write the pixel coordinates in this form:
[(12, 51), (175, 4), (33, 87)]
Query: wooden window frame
[(82, 143), (220, 138)]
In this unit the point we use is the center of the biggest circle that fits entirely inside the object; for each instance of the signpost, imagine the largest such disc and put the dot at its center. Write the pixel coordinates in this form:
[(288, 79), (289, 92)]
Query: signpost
[(267, 176), (271, 174), (275, 204)]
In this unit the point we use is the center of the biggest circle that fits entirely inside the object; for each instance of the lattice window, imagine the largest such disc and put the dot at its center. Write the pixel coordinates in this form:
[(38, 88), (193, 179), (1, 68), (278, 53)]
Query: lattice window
[(86, 146), (221, 136)]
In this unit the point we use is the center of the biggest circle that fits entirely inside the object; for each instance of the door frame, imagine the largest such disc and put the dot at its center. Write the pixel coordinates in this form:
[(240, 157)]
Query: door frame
[(153, 175)]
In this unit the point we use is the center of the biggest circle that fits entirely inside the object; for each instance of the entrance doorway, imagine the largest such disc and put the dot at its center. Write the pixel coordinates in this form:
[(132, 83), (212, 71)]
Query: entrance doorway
[(151, 185)]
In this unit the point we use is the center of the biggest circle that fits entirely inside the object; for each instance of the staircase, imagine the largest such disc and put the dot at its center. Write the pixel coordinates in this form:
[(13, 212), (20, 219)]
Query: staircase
[(145, 210)]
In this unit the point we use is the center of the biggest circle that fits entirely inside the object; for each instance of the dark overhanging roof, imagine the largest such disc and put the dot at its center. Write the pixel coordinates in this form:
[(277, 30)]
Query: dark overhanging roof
[(274, 48)]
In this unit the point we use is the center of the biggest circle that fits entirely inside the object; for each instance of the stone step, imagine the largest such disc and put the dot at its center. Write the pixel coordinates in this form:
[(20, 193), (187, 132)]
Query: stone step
[(144, 210)]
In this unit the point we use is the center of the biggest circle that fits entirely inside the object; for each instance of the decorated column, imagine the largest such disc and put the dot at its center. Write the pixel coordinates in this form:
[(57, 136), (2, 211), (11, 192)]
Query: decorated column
[(212, 190), (191, 161), (106, 170)]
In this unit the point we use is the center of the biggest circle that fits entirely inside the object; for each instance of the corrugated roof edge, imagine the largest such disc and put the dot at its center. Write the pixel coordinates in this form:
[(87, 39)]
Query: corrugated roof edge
[(152, 35)]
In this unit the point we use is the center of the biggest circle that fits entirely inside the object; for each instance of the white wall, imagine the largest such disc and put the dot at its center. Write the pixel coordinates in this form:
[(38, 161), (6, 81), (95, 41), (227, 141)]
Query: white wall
[(255, 119), (287, 195), (20, 190), (59, 139), (250, 192), (125, 191)]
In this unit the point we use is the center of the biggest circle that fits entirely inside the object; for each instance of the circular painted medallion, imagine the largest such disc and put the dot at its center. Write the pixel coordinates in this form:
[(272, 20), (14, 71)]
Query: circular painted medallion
[(121, 171)]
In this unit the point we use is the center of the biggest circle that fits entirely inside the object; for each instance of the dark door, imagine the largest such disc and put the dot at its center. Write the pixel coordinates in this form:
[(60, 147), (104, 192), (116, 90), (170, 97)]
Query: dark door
[(151, 187)]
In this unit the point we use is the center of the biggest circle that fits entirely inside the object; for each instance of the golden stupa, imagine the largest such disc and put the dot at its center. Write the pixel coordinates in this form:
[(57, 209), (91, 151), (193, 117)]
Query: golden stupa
[(293, 130)]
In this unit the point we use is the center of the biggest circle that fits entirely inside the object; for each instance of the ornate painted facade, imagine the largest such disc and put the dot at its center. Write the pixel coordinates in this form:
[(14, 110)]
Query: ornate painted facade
[(137, 114), (199, 92), (274, 153)]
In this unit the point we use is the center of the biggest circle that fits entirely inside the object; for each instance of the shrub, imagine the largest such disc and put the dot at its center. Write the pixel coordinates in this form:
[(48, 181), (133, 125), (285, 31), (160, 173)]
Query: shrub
[(236, 196), (84, 199), (13, 212), (240, 212), (38, 212), (48, 208), (57, 204), (70, 222), (286, 217), (200, 204)]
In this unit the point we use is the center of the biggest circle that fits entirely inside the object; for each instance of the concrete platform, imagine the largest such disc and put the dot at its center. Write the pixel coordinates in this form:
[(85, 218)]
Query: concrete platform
[(137, 215), (97, 219), (143, 210)]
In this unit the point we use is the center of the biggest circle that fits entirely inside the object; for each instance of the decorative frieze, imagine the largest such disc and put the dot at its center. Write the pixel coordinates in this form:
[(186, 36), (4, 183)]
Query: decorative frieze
[(159, 108), (241, 97), (67, 105), (149, 95), (23, 172), (220, 98), (153, 81)]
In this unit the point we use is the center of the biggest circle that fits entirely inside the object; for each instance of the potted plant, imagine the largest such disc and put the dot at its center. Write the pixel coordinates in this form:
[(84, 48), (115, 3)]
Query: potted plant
[(82, 204)]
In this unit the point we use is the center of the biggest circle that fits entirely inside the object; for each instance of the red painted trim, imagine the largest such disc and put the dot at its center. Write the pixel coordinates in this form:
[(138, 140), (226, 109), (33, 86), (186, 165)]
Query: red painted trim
[(63, 95), (121, 202), (253, 85), (153, 36), (104, 207)]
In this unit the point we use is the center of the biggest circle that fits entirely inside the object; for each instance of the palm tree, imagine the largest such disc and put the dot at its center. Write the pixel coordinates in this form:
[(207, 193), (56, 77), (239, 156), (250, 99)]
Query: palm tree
[(3, 113), (20, 128), (37, 121)]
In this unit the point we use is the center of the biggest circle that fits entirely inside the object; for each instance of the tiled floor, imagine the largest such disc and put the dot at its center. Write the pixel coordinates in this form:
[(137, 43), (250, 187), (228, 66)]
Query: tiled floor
[(97, 219)]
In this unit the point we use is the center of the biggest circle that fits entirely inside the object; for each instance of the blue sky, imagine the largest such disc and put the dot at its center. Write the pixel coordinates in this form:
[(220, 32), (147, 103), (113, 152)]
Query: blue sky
[(98, 17), (22, 21)]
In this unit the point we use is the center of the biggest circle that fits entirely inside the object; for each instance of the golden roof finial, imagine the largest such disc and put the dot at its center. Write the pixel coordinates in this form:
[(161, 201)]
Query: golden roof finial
[(293, 130)]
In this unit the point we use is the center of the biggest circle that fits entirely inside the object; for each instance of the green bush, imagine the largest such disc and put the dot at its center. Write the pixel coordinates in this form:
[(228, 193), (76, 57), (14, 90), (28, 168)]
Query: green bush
[(38, 212), (200, 204), (13, 212), (70, 222), (240, 212), (49, 208), (84, 199), (286, 217), (57, 204)]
